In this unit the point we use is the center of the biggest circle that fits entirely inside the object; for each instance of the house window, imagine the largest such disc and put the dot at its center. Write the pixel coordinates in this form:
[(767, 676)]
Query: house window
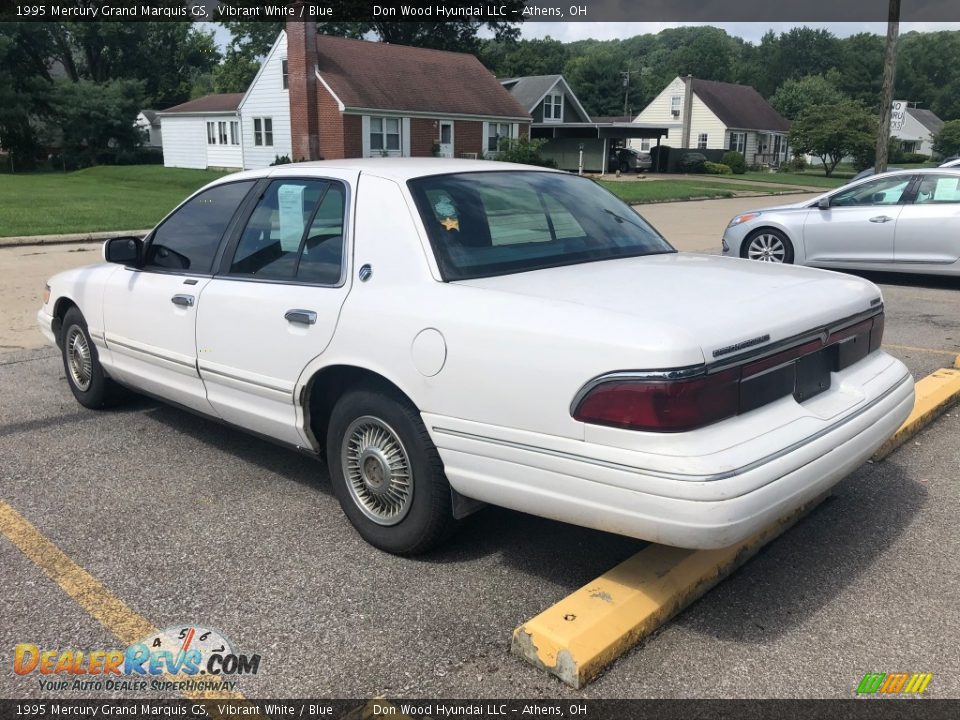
[(222, 132), (553, 107), (738, 142), (384, 134), (263, 131), (496, 131), (211, 134), (675, 105), (645, 145), (286, 77), (702, 141), (234, 132)]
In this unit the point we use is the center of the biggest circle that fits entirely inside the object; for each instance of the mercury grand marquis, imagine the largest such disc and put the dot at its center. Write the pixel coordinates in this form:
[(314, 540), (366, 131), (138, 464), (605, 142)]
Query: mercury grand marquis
[(451, 333)]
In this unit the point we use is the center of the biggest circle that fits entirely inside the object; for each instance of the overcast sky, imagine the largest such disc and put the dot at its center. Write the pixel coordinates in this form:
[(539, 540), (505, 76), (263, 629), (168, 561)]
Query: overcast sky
[(749, 31)]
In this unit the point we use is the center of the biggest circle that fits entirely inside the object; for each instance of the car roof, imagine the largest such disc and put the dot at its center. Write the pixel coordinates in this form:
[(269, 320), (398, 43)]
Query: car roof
[(394, 168)]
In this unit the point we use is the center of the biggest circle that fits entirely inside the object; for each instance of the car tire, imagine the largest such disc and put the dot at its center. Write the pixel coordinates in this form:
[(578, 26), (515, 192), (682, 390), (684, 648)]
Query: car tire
[(81, 365), (767, 245), (386, 472), (624, 166)]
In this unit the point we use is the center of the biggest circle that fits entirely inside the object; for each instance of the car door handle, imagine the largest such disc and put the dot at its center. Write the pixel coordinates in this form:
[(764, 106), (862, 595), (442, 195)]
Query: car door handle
[(182, 300), (881, 219), (304, 317)]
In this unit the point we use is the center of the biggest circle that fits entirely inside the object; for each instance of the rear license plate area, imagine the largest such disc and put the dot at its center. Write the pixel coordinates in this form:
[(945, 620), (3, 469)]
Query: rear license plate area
[(813, 373)]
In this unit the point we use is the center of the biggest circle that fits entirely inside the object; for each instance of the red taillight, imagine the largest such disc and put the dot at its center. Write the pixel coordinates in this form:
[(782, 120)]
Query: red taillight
[(663, 405)]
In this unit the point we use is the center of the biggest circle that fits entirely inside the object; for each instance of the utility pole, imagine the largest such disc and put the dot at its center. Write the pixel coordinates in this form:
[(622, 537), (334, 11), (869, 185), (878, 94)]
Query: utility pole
[(889, 71), (625, 74)]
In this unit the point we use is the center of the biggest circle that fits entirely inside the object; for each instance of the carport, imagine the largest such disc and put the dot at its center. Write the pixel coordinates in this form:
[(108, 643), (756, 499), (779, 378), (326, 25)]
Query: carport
[(566, 140)]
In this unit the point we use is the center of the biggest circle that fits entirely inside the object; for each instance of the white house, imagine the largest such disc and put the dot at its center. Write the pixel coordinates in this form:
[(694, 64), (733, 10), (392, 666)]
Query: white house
[(914, 127), (265, 111), (708, 114), (338, 97), (203, 133), (148, 123)]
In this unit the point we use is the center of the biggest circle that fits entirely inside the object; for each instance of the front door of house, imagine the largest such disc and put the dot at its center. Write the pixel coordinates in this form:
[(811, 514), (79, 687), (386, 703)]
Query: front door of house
[(446, 139)]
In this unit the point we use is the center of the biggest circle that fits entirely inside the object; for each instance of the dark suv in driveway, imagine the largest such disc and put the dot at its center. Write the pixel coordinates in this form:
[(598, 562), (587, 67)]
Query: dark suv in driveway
[(626, 159)]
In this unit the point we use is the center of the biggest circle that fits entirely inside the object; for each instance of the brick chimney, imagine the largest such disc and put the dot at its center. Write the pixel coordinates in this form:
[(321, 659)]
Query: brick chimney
[(302, 82)]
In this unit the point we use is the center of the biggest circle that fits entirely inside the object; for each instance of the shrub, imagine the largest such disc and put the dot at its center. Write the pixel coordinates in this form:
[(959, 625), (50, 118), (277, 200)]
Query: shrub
[(735, 161), (281, 160), (713, 168), (915, 158), (523, 150), (798, 163), (139, 156), (693, 162)]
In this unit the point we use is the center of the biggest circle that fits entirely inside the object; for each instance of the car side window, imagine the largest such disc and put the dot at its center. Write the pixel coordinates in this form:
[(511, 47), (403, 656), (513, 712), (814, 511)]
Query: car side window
[(189, 238), (881, 191), (270, 243), (321, 259), (294, 232), (938, 189)]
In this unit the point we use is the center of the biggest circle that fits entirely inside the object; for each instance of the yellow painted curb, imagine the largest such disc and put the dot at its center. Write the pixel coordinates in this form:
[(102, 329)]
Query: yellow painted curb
[(934, 394), (590, 628)]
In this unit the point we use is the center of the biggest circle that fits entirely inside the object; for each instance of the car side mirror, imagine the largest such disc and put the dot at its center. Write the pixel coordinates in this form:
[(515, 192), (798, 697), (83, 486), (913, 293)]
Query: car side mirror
[(123, 250), (823, 203)]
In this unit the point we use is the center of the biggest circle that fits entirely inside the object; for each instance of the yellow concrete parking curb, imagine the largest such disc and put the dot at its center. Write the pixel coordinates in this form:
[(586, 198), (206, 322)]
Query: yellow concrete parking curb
[(934, 394), (589, 629)]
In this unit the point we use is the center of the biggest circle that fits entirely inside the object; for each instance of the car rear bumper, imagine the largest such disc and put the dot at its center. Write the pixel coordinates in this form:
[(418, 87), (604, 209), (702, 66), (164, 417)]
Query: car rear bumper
[(592, 486)]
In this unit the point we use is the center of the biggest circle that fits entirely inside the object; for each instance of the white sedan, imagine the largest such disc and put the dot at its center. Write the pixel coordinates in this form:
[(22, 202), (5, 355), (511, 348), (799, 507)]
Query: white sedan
[(450, 333)]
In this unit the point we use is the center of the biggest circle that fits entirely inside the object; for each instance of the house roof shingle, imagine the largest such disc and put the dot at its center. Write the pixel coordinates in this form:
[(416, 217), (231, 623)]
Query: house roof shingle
[(223, 102), (381, 76), (739, 106), (927, 118)]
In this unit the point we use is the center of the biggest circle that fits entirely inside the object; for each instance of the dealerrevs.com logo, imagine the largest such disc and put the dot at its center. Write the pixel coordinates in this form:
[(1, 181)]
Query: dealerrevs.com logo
[(894, 684), (184, 658)]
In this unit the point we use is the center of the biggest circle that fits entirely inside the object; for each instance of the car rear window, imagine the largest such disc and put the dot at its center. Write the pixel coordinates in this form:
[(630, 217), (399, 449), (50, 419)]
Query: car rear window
[(494, 223)]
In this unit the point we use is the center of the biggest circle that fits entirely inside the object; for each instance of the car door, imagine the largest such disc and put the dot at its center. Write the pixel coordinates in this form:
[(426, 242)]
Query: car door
[(928, 229), (859, 224), (149, 312), (274, 305)]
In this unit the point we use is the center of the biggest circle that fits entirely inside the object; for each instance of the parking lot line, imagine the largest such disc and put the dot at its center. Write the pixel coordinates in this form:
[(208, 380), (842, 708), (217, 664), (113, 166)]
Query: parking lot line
[(910, 348), (579, 636), (88, 592)]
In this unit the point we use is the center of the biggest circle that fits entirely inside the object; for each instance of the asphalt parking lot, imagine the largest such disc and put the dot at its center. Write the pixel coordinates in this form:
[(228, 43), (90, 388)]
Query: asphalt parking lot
[(186, 521)]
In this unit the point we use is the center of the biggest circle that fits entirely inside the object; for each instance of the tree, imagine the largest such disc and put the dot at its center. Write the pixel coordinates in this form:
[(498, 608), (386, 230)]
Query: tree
[(94, 117), (793, 96), (524, 57), (832, 132), (235, 73), (947, 141)]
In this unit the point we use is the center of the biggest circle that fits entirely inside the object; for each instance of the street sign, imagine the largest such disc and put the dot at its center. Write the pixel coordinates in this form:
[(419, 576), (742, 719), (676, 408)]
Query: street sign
[(898, 114)]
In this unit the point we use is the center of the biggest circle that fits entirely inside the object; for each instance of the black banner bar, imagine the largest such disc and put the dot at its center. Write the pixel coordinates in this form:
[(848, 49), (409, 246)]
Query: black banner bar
[(854, 709), (478, 10)]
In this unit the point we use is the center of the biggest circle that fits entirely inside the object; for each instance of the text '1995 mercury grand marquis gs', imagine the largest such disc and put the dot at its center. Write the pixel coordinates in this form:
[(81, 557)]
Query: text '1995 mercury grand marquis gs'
[(450, 333)]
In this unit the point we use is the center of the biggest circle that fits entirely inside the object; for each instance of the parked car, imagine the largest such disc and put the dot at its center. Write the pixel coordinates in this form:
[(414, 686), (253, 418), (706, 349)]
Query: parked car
[(627, 159), (902, 221), (692, 162), (951, 162), (450, 333)]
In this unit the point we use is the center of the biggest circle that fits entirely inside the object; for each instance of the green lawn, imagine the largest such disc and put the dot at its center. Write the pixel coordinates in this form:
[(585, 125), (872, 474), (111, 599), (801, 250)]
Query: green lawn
[(130, 197), (815, 179), (644, 191)]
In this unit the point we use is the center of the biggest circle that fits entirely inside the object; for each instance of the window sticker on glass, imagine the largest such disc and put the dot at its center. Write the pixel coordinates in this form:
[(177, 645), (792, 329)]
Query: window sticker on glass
[(443, 205), (290, 206)]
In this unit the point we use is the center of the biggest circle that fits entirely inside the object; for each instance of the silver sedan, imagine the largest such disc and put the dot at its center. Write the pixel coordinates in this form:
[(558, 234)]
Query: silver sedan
[(903, 221)]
